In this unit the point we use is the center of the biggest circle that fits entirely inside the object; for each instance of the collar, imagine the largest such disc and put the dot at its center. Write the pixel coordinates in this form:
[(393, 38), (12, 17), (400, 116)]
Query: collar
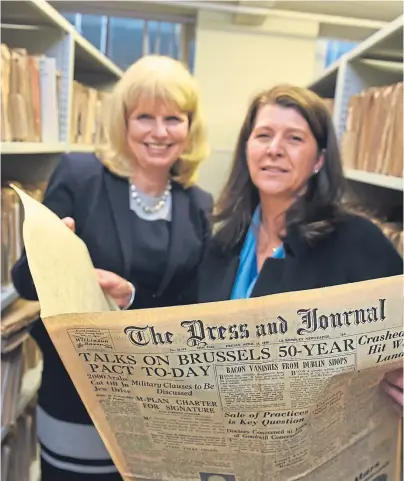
[(294, 242)]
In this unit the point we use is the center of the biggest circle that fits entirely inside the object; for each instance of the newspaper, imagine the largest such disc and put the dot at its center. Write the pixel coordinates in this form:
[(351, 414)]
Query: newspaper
[(278, 388)]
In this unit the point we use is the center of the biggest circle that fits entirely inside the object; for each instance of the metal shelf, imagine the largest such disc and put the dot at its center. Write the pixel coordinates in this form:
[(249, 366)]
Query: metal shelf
[(386, 44), (33, 12), (17, 148), (324, 86), (8, 295), (380, 180), (87, 58), (41, 29), (377, 61)]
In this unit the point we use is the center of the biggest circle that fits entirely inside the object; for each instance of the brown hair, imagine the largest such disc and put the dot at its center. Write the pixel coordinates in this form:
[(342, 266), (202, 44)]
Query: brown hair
[(315, 211)]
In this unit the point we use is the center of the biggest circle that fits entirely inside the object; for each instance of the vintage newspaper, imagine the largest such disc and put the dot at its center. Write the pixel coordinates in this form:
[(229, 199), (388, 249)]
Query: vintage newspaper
[(279, 388)]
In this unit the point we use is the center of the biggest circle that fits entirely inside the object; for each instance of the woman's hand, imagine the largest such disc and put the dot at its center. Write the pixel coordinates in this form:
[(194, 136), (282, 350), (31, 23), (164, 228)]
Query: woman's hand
[(117, 288), (392, 384), (69, 222)]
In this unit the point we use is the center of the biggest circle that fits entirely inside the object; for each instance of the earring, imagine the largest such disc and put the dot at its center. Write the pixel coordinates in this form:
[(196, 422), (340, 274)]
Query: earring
[(316, 171)]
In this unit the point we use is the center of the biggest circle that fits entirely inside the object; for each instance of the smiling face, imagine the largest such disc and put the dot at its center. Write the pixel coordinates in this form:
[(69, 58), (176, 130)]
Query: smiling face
[(157, 133), (282, 153)]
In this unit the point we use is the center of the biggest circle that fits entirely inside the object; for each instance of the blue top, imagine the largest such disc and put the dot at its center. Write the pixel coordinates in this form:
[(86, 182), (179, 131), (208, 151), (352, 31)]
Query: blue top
[(247, 273)]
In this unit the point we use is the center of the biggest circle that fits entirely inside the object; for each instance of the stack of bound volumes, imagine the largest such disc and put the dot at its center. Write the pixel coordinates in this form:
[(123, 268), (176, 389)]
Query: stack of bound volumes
[(11, 225), (30, 97), (21, 368), (373, 140), (88, 111)]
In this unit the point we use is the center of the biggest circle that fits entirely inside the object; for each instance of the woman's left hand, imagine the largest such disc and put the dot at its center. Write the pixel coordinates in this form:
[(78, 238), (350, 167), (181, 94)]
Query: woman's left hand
[(392, 383)]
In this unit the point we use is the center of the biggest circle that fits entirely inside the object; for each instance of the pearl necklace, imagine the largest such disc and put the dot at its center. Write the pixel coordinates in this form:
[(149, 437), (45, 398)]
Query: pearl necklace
[(161, 201)]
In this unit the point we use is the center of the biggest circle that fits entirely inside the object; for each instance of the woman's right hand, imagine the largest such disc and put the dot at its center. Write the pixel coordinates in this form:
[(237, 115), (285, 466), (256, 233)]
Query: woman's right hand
[(116, 287), (70, 223)]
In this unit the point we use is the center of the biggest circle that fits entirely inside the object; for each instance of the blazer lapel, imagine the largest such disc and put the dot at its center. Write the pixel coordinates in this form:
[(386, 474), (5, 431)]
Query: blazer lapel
[(118, 193), (183, 239), (216, 276)]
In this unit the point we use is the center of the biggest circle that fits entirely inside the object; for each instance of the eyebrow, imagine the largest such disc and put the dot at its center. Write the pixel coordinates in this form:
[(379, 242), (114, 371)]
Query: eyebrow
[(149, 114), (288, 129)]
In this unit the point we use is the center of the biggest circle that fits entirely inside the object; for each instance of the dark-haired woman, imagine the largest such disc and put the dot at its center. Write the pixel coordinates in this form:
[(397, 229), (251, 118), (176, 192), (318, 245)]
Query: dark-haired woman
[(281, 226), (280, 223)]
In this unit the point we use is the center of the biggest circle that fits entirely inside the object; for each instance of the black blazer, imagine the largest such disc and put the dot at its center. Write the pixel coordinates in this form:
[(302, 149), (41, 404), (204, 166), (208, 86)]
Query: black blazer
[(82, 188), (355, 251)]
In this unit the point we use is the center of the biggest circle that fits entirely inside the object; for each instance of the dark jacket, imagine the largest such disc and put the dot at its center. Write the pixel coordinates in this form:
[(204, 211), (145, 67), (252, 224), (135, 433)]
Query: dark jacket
[(82, 188), (355, 251)]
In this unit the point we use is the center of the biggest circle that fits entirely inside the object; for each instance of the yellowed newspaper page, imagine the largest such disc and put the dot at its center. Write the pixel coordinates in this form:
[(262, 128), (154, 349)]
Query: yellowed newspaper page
[(66, 282), (279, 388), (57, 257)]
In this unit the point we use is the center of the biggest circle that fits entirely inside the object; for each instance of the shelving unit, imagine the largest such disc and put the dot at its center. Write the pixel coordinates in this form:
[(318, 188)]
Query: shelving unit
[(90, 60), (39, 14), (325, 84), (18, 148), (40, 29), (386, 44), (377, 61), (385, 181), (26, 404), (36, 26), (30, 385)]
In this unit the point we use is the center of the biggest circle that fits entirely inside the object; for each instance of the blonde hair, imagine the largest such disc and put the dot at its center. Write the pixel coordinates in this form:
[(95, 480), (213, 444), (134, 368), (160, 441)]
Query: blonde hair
[(167, 79)]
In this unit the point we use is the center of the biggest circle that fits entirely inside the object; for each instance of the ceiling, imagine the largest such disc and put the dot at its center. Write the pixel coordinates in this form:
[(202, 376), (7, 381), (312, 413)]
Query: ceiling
[(125, 8), (384, 10)]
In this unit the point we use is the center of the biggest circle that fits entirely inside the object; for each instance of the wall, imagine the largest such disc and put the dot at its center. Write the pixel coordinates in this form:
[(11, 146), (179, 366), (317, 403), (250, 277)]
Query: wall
[(234, 62)]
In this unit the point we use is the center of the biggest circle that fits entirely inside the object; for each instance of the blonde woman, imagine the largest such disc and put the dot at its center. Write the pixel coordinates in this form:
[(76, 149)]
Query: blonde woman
[(144, 222)]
